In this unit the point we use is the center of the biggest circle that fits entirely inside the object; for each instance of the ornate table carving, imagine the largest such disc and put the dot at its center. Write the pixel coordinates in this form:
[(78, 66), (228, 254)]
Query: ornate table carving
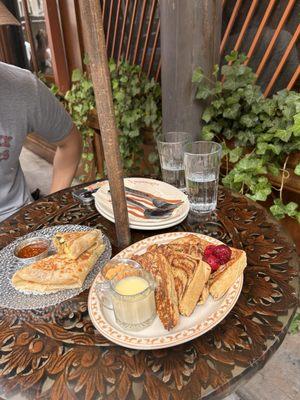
[(57, 354)]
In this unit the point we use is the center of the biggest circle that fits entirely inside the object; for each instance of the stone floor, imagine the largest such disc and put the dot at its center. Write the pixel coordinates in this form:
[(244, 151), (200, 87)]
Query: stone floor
[(278, 380)]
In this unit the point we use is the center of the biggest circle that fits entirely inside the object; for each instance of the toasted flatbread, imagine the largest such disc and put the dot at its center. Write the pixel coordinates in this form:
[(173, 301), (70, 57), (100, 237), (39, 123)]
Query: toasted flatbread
[(73, 244), (57, 272)]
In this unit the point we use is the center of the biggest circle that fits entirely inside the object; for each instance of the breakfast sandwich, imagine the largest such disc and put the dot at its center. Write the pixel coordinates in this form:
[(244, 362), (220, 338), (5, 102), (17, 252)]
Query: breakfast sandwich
[(73, 244), (59, 271)]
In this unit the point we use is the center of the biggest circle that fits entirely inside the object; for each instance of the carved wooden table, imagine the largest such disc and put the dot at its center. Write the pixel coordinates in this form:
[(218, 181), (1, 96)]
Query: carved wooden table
[(57, 354)]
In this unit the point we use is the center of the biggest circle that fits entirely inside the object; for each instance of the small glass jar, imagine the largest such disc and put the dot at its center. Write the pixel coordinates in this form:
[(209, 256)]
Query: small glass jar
[(35, 248), (131, 297)]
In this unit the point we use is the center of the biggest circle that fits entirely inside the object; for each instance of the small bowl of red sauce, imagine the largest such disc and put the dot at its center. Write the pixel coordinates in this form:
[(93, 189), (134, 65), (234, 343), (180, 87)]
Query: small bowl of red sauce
[(33, 249)]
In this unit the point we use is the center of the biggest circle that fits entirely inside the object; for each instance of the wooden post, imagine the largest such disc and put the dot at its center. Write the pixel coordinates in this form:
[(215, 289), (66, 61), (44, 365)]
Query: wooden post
[(56, 44), (190, 37), (30, 36), (94, 33)]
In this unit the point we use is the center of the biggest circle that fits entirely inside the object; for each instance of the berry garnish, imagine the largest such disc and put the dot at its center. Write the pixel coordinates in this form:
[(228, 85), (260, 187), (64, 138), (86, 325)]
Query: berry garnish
[(212, 261), (223, 253), (217, 255)]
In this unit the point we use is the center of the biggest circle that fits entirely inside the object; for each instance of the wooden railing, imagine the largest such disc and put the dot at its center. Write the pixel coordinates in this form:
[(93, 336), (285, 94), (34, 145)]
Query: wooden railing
[(267, 31)]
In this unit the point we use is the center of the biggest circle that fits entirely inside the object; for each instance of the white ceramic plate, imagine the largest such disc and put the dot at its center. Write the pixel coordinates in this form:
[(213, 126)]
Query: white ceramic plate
[(204, 318), (157, 188), (146, 227)]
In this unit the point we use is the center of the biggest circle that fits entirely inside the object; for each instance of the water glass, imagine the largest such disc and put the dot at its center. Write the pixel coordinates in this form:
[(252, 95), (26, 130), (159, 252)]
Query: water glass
[(170, 148), (202, 164)]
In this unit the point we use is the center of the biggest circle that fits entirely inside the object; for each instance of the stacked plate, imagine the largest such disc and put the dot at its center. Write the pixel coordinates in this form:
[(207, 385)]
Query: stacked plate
[(137, 220)]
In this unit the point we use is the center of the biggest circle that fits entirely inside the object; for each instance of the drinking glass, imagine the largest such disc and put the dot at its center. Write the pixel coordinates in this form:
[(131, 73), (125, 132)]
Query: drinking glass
[(202, 164), (170, 149), (134, 307)]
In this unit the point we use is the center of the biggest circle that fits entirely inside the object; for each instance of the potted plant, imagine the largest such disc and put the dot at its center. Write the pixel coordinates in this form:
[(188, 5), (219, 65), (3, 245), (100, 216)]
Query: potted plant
[(259, 135)]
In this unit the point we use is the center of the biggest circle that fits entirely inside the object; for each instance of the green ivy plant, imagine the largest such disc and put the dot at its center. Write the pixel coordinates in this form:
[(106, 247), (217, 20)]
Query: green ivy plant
[(258, 134), (137, 106), (79, 101), (137, 103)]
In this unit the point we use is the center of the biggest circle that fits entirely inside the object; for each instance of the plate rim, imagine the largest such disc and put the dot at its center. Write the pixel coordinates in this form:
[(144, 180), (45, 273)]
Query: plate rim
[(132, 341), (145, 227)]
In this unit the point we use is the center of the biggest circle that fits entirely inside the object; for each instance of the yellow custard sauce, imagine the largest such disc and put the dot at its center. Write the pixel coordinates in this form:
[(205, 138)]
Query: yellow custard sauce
[(131, 286)]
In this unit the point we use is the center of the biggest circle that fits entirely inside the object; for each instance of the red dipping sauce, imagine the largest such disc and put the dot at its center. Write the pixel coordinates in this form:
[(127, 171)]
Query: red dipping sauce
[(32, 250)]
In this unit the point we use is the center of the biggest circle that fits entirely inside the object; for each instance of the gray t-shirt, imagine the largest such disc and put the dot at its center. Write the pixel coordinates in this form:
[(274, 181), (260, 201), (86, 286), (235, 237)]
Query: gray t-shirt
[(26, 105)]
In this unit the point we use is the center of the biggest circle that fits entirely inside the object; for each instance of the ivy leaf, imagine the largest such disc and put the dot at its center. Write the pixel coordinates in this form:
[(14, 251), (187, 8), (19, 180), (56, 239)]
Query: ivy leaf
[(296, 128), (203, 92), (153, 157), (295, 324), (232, 56), (215, 70), (207, 115), (86, 59), (260, 189), (235, 154), (273, 169), (76, 75), (198, 75), (297, 169), (206, 133), (232, 112), (278, 210), (283, 135)]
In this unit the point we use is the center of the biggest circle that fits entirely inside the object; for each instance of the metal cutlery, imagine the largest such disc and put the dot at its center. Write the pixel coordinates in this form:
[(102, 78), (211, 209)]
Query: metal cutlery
[(147, 211), (158, 202)]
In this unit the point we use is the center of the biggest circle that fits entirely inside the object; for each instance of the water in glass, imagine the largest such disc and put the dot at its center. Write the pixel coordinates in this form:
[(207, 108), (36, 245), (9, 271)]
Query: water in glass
[(202, 190), (202, 164), (174, 176)]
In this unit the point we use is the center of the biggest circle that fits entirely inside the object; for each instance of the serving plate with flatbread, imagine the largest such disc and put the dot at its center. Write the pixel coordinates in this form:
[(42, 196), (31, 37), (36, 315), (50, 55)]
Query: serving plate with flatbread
[(190, 299), (77, 254)]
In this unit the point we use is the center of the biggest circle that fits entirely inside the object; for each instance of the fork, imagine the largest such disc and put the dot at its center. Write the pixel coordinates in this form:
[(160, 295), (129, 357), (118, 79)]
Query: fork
[(147, 211), (156, 201)]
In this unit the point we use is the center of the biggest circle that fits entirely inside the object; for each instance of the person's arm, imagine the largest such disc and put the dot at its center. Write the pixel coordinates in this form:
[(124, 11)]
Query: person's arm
[(66, 160)]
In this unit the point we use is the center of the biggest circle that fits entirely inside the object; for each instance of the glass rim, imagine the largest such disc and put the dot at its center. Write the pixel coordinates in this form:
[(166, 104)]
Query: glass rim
[(161, 135), (219, 148), (131, 296)]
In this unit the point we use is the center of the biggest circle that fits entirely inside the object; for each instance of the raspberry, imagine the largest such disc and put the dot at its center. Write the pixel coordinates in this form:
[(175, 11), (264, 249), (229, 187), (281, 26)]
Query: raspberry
[(222, 253), (217, 255), (209, 250), (212, 261)]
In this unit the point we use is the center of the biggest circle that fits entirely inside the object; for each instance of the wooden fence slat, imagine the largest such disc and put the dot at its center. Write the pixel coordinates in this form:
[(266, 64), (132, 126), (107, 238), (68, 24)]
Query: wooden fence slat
[(131, 30), (283, 60), (30, 36), (230, 25), (152, 11), (109, 22), (137, 42), (116, 28), (259, 30), (123, 31), (246, 24), (154, 47), (280, 25), (294, 79)]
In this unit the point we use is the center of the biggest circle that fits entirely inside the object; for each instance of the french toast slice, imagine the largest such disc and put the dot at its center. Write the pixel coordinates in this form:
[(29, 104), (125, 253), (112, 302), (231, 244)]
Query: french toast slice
[(165, 293), (182, 266), (194, 288)]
